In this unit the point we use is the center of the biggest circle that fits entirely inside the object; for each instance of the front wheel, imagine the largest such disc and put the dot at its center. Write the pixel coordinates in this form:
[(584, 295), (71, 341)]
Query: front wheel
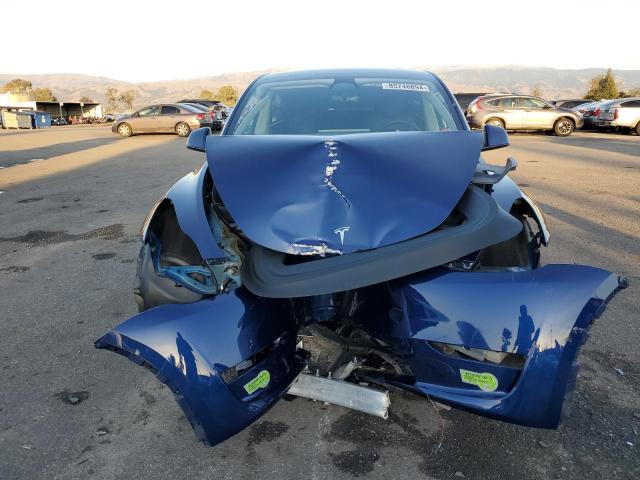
[(183, 130), (125, 130), (563, 127)]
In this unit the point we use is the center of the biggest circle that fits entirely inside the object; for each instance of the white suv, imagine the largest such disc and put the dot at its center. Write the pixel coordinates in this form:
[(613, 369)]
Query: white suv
[(623, 112)]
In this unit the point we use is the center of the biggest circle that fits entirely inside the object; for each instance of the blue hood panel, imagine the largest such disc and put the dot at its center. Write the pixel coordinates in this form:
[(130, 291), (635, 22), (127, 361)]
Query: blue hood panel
[(314, 194)]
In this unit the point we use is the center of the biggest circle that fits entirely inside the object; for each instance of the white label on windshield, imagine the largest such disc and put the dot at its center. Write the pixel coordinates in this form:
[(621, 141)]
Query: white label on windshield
[(405, 86)]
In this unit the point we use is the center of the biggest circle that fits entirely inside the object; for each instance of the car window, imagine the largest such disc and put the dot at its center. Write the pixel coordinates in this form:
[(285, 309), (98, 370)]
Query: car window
[(169, 110), (345, 105), (194, 108), (145, 112), (572, 104), (532, 103), (509, 102), (632, 104)]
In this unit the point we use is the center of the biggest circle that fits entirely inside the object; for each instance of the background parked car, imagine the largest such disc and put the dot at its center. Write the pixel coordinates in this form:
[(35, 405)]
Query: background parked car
[(573, 103), (218, 110), (522, 112), (464, 99), (165, 118), (589, 112), (623, 113), (216, 119)]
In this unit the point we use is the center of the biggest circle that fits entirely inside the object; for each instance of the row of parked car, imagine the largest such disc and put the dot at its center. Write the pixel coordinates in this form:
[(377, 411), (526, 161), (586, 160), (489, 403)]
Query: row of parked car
[(181, 118), (562, 117)]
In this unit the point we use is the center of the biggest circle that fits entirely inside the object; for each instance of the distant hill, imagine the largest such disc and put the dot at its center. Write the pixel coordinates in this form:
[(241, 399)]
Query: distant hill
[(554, 83)]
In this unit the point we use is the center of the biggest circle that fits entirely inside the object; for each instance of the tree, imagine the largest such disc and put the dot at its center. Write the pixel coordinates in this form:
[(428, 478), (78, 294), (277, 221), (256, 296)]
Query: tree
[(603, 86), (536, 91), (44, 95), (128, 98), (227, 95), (86, 99), (112, 99), (18, 86), (206, 94)]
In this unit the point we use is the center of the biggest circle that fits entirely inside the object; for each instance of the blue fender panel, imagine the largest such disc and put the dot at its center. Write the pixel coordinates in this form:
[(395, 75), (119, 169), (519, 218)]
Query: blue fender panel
[(190, 346), (341, 193), (506, 193), (542, 315), (187, 199)]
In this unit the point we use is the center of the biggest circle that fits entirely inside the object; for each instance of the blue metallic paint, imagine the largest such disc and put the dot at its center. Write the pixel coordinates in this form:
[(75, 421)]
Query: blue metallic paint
[(301, 198), (186, 196), (189, 346), (542, 314), (506, 192)]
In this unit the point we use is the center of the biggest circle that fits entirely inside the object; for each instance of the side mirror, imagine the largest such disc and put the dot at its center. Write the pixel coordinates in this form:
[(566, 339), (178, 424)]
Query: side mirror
[(198, 139), (547, 106), (494, 137)]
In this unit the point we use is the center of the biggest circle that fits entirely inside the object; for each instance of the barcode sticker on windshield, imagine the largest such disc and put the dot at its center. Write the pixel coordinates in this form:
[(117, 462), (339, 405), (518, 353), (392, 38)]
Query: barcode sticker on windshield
[(405, 86)]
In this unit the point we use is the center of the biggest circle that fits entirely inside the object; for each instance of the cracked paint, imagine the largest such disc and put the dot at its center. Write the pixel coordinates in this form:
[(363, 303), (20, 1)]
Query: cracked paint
[(330, 169), (322, 249)]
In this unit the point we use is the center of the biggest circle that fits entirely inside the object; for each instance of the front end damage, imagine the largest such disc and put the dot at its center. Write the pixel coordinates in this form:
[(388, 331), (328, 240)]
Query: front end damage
[(317, 289)]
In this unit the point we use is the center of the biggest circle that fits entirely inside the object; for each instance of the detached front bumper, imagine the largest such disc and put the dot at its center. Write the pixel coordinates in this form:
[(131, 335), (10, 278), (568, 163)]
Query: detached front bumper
[(536, 321), (227, 359)]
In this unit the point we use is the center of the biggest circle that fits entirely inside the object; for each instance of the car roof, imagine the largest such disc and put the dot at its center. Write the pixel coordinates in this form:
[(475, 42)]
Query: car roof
[(199, 100), (193, 104), (348, 72)]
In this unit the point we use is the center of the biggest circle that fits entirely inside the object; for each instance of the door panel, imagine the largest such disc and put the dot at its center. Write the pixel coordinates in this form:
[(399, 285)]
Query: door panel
[(146, 120), (535, 116), (511, 112), (168, 118), (227, 359)]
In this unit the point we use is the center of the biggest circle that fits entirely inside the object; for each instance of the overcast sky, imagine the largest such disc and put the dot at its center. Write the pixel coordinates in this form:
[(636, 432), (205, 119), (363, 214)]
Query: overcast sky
[(142, 40)]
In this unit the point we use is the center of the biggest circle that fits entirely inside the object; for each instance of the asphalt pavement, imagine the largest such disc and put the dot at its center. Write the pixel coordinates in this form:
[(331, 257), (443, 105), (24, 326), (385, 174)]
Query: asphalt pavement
[(72, 202)]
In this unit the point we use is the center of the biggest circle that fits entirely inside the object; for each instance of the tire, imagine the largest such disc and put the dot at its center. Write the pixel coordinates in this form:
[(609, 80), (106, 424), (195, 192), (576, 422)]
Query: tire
[(563, 127), (495, 121), (183, 130), (637, 129), (125, 130), (152, 290)]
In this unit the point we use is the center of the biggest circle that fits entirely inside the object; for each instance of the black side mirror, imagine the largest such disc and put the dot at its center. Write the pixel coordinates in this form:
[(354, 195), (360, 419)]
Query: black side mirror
[(198, 139), (547, 106), (494, 137)]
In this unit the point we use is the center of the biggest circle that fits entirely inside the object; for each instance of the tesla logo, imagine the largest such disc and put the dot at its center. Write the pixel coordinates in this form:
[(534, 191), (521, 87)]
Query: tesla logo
[(341, 231)]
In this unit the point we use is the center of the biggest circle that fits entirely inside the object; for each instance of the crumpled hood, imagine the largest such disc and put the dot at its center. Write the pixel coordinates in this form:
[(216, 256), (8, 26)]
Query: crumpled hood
[(308, 194)]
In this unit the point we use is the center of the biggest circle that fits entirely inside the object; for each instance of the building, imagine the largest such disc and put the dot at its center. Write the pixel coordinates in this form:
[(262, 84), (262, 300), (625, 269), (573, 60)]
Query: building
[(12, 101)]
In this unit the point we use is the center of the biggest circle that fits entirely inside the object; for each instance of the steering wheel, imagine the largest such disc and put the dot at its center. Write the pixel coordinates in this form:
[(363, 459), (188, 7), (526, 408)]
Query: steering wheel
[(400, 126)]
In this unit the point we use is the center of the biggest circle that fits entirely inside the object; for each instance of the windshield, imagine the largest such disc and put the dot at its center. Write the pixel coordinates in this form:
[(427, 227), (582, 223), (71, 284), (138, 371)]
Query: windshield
[(344, 105)]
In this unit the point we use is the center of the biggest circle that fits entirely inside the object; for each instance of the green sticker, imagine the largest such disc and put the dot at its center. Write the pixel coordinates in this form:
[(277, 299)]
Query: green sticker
[(261, 381), (486, 381)]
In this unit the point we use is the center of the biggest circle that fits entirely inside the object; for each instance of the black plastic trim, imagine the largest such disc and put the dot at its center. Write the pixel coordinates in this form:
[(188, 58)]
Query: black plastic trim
[(266, 274)]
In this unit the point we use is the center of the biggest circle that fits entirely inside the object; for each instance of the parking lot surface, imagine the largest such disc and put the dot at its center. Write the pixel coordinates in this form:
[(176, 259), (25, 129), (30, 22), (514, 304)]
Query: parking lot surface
[(72, 201)]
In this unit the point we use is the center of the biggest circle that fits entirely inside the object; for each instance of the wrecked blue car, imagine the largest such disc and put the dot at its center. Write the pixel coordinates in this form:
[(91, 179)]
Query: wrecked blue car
[(345, 236)]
